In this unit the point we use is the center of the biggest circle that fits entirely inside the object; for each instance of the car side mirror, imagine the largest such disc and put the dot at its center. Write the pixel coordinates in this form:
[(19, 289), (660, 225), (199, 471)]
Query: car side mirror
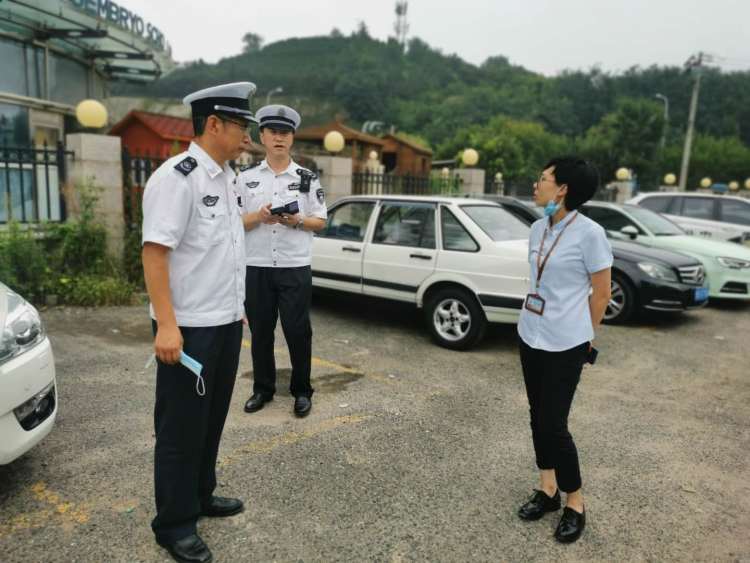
[(630, 231)]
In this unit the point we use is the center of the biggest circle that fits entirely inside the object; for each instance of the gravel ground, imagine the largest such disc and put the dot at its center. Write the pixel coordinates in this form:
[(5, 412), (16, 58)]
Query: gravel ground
[(411, 453)]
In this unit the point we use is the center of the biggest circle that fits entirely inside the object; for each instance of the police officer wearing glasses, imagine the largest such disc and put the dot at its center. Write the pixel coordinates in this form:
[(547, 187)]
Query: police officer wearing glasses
[(571, 263), (194, 266), (285, 205)]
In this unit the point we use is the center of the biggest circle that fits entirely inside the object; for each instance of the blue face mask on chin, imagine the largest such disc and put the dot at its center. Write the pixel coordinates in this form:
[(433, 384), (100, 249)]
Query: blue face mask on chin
[(551, 208)]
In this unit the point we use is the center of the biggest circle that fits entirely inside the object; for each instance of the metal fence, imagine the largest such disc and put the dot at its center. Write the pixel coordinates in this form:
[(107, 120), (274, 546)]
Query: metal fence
[(366, 183), (31, 183), (136, 170)]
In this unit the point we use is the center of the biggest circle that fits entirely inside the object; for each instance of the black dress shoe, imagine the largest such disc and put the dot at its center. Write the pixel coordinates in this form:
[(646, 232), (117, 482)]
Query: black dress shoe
[(220, 506), (571, 526), (302, 405), (190, 549), (256, 402), (538, 505)]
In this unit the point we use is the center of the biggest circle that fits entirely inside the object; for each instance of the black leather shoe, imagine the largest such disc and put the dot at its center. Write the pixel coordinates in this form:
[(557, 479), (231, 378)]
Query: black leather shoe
[(190, 549), (218, 507), (256, 402), (302, 406), (571, 526), (538, 505)]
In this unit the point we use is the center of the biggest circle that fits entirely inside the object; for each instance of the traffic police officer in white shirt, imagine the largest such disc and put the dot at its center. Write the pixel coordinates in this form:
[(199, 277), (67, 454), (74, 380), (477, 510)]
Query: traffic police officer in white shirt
[(285, 205), (194, 266)]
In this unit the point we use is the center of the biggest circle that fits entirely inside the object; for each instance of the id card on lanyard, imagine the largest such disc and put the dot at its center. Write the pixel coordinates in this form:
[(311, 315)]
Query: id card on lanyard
[(534, 302)]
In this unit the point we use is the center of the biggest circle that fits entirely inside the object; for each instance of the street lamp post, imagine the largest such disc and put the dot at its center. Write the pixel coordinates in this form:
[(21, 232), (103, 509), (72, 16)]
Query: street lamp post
[(277, 90), (664, 99)]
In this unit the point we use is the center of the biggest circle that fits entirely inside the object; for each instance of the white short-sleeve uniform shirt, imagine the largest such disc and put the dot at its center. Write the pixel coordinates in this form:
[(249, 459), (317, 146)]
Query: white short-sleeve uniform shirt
[(279, 246), (566, 283), (193, 205)]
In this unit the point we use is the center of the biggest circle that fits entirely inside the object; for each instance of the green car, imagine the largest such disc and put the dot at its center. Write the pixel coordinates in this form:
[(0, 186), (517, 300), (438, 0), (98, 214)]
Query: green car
[(727, 264)]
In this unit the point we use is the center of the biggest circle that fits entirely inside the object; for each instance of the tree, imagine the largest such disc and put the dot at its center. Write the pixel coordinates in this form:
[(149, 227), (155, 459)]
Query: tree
[(626, 137), (252, 43), (516, 148), (722, 159), (362, 31)]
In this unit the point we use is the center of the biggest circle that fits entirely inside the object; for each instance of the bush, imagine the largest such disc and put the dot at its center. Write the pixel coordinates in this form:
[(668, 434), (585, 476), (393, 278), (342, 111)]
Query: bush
[(90, 290), (23, 265), (68, 260)]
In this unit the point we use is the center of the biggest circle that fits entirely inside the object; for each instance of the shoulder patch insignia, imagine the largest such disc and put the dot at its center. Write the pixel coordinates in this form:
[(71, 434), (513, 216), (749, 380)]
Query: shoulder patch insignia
[(186, 166), (321, 195), (249, 166)]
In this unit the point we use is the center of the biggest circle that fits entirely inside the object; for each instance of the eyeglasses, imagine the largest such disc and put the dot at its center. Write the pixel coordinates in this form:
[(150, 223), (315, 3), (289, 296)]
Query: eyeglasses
[(542, 179), (244, 126)]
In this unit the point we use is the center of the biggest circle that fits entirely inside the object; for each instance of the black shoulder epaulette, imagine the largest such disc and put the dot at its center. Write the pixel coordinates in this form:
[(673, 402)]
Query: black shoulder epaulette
[(186, 165), (249, 166), (306, 176)]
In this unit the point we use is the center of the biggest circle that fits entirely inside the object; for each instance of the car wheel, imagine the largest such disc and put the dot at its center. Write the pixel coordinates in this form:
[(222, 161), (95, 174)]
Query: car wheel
[(455, 319), (621, 306)]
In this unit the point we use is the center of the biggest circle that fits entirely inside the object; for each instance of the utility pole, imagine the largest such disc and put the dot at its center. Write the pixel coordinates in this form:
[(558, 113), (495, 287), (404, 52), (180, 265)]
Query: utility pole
[(695, 65), (401, 27)]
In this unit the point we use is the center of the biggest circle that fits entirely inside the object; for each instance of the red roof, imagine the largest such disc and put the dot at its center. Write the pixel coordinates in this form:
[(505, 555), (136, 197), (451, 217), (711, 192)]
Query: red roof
[(166, 126)]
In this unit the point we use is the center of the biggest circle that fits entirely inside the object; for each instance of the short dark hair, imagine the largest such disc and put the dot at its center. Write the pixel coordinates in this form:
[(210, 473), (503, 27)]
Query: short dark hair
[(199, 124), (581, 177)]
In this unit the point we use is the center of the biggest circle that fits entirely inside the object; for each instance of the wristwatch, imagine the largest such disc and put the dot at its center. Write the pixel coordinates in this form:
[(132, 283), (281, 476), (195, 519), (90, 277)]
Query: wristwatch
[(300, 224)]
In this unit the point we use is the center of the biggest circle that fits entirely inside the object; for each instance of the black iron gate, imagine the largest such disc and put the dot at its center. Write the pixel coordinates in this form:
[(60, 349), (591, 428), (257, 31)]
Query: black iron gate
[(31, 183)]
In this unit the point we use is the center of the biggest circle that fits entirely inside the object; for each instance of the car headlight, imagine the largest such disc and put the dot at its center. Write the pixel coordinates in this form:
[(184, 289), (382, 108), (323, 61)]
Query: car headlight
[(659, 272), (733, 263), (23, 328)]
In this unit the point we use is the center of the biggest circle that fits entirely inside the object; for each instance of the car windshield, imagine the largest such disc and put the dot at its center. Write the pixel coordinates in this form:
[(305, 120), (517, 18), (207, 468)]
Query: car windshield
[(658, 225), (497, 222)]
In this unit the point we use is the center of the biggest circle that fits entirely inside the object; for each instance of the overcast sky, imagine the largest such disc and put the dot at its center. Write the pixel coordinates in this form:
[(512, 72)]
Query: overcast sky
[(545, 36)]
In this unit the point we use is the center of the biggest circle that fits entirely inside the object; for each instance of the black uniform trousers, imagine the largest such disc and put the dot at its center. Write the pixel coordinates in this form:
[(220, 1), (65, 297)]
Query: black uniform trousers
[(551, 379), (189, 426), (287, 292)]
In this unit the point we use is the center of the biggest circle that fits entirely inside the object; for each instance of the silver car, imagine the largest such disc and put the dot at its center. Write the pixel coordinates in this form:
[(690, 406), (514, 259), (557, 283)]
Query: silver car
[(719, 217)]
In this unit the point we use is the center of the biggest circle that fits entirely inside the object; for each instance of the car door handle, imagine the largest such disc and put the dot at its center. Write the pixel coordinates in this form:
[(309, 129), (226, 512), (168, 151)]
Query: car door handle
[(351, 249), (420, 256)]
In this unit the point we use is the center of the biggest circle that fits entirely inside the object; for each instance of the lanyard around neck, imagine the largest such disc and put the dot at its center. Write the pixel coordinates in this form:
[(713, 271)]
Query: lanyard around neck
[(541, 264)]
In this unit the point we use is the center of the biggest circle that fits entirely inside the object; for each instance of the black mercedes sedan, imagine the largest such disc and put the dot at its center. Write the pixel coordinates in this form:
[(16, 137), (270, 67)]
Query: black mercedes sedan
[(642, 277)]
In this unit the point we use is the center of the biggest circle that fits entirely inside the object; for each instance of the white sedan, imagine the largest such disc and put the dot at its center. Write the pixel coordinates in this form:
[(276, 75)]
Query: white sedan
[(28, 397), (464, 261)]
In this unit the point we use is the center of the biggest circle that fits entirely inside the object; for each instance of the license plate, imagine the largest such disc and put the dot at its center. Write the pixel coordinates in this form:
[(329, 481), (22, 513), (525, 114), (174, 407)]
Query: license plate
[(701, 294)]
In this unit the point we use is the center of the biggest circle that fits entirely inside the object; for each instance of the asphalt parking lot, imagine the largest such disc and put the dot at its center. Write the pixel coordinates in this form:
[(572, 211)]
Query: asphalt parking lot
[(411, 453)]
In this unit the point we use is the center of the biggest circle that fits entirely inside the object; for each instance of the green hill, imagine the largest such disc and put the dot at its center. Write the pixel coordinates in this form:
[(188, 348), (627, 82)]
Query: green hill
[(425, 92)]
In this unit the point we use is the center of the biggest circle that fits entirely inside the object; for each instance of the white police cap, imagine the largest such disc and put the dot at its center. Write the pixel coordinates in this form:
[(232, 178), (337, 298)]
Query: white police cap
[(233, 99), (278, 117)]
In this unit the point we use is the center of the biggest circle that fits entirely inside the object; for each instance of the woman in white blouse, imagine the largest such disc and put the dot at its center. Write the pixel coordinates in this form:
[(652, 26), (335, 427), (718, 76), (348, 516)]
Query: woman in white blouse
[(571, 263)]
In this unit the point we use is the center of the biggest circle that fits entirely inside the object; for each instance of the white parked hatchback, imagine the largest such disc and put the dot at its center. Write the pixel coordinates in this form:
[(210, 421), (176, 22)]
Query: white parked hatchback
[(464, 261), (28, 397), (718, 217)]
